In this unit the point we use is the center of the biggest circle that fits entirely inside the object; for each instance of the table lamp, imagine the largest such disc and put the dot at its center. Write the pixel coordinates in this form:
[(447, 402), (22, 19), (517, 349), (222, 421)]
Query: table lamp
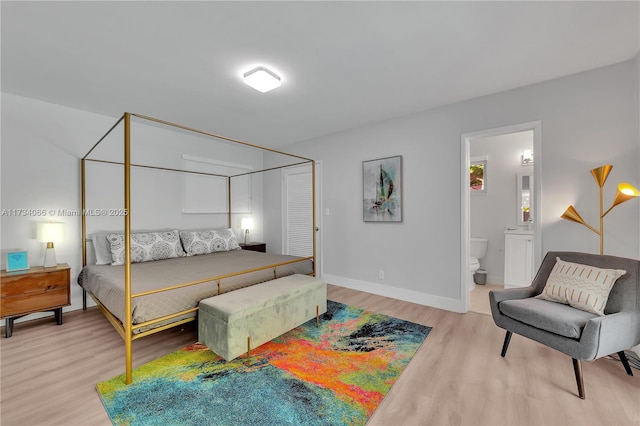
[(246, 224), (50, 232)]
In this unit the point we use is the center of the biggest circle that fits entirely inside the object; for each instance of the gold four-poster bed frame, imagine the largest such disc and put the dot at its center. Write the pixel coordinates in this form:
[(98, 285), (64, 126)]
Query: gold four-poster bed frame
[(126, 330)]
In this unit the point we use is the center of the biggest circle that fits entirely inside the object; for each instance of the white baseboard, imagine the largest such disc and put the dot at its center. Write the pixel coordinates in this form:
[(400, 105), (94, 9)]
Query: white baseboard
[(495, 279), (412, 296)]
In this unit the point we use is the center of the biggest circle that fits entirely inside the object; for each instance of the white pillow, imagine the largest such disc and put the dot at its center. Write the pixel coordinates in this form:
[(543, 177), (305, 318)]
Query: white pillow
[(146, 246), (208, 241), (101, 248), (581, 286)]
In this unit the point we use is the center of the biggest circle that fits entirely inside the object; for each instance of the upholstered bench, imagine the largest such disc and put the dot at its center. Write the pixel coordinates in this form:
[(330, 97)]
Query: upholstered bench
[(231, 323)]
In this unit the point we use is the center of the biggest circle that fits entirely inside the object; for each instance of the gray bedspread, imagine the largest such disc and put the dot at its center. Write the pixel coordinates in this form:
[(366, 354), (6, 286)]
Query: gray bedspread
[(106, 282)]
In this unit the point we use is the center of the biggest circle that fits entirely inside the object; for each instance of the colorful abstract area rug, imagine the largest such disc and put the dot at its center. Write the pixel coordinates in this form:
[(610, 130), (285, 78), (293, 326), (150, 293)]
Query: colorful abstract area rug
[(334, 374)]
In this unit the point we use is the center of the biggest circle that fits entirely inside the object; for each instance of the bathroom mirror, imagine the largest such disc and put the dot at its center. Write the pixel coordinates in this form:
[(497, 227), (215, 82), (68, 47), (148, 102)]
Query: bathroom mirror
[(524, 198)]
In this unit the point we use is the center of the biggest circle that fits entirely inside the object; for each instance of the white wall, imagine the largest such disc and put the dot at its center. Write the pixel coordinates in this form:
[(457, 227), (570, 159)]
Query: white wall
[(493, 211), (42, 144), (157, 197), (41, 147), (588, 119), (637, 101)]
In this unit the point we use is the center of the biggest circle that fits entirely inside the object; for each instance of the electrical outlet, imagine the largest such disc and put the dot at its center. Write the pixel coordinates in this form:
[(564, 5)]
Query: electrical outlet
[(381, 274)]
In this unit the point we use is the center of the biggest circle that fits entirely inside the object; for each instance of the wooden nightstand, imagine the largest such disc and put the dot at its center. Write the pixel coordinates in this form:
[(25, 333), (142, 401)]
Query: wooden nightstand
[(262, 247), (34, 290)]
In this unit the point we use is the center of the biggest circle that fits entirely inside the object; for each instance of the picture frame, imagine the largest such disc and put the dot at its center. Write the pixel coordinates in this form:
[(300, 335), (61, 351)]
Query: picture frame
[(17, 261), (478, 175), (382, 190)]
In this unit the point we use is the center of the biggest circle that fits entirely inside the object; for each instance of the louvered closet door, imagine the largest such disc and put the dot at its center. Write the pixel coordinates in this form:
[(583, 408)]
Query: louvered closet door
[(297, 225), (298, 220)]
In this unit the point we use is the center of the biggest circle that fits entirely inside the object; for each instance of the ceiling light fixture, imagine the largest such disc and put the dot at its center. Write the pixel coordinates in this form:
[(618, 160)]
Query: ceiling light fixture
[(262, 79)]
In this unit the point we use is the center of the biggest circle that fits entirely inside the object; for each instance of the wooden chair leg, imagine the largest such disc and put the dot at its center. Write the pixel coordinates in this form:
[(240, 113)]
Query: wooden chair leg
[(577, 367), (505, 345), (625, 362)]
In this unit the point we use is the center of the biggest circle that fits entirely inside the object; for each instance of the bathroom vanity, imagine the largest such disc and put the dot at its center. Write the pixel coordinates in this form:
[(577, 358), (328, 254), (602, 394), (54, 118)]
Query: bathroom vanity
[(518, 258)]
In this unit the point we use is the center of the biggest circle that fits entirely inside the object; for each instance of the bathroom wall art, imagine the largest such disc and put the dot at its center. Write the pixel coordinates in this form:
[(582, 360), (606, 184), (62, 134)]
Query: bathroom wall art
[(382, 189), (478, 175)]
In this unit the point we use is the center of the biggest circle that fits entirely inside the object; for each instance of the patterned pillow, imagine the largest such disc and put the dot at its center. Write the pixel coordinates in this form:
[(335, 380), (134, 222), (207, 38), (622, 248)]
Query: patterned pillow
[(146, 246), (581, 286), (209, 241)]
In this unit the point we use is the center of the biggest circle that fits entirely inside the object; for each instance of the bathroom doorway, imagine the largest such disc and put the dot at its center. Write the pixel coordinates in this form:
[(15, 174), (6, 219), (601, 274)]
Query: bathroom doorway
[(509, 156)]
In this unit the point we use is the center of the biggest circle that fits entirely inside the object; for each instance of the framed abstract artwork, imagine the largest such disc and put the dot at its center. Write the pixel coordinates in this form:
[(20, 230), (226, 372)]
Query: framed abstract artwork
[(17, 261), (382, 190)]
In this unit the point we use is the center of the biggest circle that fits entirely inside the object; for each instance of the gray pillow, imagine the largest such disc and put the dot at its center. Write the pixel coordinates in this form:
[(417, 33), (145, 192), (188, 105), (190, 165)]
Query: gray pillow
[(208, 241), (146, 246)]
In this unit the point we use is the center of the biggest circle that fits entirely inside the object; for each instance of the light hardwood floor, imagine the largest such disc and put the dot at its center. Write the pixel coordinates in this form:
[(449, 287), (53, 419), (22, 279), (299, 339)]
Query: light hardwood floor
[(479, 298), (457, 377)]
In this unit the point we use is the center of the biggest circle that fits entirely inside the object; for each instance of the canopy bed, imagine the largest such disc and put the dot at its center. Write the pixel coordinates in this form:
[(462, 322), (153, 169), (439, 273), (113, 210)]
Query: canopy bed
[(142, 293)]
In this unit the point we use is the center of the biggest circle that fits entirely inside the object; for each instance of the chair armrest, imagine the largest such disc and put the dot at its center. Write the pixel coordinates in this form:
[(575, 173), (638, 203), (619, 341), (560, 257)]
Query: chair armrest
[(612, 333), (497, 296)]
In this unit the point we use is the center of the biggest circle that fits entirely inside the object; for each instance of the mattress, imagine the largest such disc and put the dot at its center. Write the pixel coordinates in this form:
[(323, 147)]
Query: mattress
[(106, 282)]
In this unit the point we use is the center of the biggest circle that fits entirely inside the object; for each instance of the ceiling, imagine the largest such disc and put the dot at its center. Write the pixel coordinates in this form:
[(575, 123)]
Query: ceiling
[(343, 64)]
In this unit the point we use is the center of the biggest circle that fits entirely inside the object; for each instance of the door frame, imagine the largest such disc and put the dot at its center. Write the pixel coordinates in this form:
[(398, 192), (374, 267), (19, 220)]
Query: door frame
[(536, 127)]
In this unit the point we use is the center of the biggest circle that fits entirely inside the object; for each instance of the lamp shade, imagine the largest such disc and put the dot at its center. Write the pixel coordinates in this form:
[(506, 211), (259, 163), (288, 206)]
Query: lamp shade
[(625, 192), (49, 232), (246, 223), (571, 214), (527, 157), (600, 174)]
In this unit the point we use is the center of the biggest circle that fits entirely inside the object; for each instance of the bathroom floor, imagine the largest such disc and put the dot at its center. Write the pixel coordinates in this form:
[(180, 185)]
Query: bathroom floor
[(479, 301)]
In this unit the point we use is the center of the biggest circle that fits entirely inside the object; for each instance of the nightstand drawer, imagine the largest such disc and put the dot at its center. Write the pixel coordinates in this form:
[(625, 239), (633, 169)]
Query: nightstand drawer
[(42, 298), (18, 285), (37, 289)]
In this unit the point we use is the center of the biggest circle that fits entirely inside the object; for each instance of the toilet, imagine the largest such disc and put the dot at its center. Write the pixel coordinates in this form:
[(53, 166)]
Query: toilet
[(477, 251)]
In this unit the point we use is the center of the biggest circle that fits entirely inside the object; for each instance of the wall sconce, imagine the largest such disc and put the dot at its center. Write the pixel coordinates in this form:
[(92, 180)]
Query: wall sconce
[(625, 193), (50, 232), (246, 224), (527, 157)]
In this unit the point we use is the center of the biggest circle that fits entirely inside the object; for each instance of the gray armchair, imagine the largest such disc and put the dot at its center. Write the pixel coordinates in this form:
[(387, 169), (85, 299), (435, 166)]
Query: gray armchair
[(579, 334)]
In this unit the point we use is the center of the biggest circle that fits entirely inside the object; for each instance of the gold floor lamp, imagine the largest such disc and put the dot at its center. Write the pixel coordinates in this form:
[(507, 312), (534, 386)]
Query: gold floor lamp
[(625, 192)]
